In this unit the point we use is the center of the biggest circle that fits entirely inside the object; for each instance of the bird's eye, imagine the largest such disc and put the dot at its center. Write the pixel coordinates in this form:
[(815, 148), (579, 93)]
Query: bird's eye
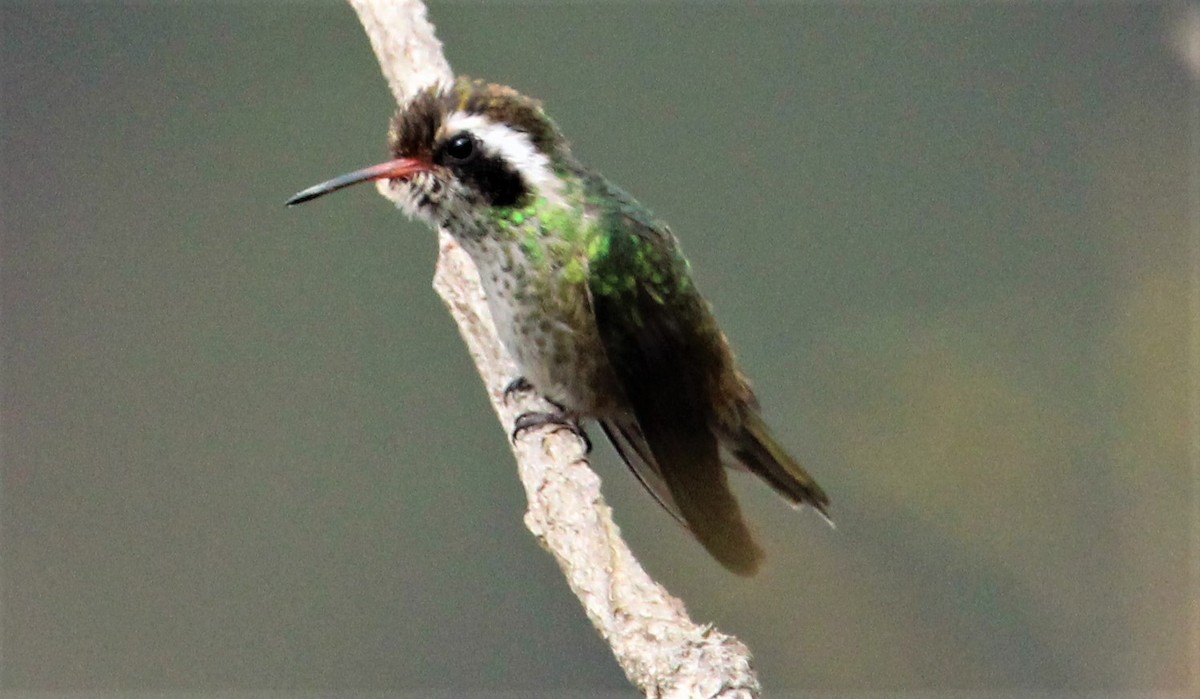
[(460, 149)]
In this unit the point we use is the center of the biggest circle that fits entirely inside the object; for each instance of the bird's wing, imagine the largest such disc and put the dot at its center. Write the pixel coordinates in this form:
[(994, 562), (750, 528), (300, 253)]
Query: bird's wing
[(652, 324), (625, 434)]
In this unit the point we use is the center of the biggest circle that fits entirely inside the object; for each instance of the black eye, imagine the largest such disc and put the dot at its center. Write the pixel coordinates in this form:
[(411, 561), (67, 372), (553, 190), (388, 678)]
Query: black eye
[(460, 149)]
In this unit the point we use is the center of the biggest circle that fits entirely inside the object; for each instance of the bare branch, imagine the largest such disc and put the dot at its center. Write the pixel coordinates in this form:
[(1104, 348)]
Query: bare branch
[(404, 41), (660, 649)]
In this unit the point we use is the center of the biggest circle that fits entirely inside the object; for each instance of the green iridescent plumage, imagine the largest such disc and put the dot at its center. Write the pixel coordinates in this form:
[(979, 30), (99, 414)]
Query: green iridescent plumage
[(593, 299)]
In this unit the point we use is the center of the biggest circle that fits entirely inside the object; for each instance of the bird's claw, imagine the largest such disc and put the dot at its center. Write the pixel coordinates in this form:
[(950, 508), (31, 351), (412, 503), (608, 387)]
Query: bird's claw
[(517, 385), (561, 420)]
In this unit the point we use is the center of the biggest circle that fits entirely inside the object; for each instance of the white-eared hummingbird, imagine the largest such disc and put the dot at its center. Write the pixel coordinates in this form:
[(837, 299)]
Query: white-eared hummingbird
[(593, 299)]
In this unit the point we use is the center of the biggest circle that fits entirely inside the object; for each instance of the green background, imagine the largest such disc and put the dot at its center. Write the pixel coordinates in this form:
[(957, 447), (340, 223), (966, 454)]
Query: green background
[(955, 245)]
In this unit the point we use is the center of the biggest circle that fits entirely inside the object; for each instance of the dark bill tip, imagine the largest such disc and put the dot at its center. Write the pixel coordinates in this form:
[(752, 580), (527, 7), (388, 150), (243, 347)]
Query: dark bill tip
[(307, 195)]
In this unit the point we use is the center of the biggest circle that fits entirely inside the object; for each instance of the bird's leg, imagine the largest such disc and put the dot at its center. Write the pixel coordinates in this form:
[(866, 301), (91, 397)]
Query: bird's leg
[(517, 385), (563, 419)]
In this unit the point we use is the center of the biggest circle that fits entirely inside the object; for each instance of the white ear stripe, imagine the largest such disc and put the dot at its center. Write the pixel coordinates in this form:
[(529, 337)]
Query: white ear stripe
[(514, 147)]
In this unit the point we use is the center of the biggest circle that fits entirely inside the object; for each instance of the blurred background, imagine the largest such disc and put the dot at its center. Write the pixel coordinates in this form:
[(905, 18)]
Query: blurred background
[(955, 245)]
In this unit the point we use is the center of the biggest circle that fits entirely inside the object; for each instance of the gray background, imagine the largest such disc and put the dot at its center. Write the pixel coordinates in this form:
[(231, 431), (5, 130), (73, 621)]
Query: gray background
[(244, 448)]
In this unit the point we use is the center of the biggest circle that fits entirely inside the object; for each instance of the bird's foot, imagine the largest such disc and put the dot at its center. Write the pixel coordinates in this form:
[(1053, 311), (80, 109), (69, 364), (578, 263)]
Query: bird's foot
[(561, 419), (517, 385)]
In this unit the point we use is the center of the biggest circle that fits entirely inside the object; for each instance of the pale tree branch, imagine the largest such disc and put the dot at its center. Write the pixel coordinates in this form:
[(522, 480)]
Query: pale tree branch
[(662, 651)]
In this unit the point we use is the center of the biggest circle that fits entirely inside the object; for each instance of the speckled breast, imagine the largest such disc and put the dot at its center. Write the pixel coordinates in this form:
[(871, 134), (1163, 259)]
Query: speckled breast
[(544, 317)]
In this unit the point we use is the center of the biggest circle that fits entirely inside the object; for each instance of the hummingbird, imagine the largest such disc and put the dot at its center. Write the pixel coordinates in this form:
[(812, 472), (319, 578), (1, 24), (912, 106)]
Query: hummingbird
[(593, 299)]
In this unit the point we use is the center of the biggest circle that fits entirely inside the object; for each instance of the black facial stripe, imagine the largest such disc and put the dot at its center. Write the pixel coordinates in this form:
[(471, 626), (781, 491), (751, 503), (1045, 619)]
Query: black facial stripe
[(499, 184)]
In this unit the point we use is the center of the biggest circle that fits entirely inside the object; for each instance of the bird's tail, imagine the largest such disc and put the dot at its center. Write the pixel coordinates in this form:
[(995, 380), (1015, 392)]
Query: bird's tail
[(757, 449)]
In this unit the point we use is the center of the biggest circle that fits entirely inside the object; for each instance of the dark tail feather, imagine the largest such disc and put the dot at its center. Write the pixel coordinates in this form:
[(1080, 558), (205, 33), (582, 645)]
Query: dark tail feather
[(757, 449)]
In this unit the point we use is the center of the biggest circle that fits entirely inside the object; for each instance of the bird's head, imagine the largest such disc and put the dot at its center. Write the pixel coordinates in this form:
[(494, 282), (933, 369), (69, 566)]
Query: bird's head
[(459, 150)]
